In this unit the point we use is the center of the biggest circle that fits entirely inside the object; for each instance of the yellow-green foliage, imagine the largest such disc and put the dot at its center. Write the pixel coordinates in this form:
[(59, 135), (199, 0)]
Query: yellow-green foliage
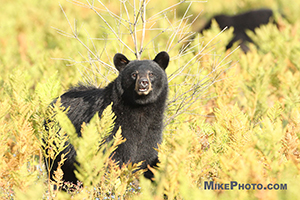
[(230, 117)]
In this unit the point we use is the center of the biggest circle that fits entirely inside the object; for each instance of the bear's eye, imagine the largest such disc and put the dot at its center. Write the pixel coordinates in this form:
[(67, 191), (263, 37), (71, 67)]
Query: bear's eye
[(133, 75), (151, 74)]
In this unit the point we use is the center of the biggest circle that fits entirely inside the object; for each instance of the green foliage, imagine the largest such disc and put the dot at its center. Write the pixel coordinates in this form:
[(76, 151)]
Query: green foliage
[(231, 116)]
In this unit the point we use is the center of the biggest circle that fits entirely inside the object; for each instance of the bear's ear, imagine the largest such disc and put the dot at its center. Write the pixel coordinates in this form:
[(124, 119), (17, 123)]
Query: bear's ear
[(162, 59), (120, 61)]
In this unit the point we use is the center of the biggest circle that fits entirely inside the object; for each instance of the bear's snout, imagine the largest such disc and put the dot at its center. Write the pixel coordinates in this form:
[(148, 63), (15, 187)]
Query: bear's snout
[(143, 86), (144, 82)]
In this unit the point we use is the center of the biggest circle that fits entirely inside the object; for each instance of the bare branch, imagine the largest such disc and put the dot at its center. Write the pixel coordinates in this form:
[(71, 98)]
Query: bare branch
[(143, 18), (108, 25)]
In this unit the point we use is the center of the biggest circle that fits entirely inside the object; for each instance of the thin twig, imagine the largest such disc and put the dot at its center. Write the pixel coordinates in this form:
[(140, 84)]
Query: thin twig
[(108, 25), (143, 19)]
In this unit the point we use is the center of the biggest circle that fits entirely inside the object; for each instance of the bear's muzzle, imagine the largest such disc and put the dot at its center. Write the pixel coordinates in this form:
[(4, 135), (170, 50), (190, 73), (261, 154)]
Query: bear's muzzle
[(143, 85)]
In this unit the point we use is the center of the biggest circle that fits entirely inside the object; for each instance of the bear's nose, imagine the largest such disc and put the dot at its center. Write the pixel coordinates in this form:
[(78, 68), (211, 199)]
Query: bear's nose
[(144, 82)]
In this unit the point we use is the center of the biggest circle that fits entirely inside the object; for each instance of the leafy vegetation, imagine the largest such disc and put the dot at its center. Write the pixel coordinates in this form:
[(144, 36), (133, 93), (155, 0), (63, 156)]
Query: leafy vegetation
[(231, 116)]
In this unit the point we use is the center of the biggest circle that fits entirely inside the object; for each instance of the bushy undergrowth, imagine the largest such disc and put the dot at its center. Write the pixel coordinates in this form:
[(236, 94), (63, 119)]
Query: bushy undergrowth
[(231, 116)]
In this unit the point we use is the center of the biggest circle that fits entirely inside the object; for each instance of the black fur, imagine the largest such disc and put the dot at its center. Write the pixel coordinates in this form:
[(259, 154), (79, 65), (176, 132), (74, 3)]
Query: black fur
[(139, 115), (241, 22)]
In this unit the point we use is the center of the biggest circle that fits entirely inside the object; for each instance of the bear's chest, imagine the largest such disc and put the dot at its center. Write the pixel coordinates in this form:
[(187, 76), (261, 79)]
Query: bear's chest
[(135, 122)]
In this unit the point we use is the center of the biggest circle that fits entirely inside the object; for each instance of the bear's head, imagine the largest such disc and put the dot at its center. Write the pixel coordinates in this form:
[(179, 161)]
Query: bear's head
[(142, 81)]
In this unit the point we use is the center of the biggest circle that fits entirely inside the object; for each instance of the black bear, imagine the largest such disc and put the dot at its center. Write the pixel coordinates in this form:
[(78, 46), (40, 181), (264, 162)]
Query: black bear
[(241, 22), (138, 95)]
